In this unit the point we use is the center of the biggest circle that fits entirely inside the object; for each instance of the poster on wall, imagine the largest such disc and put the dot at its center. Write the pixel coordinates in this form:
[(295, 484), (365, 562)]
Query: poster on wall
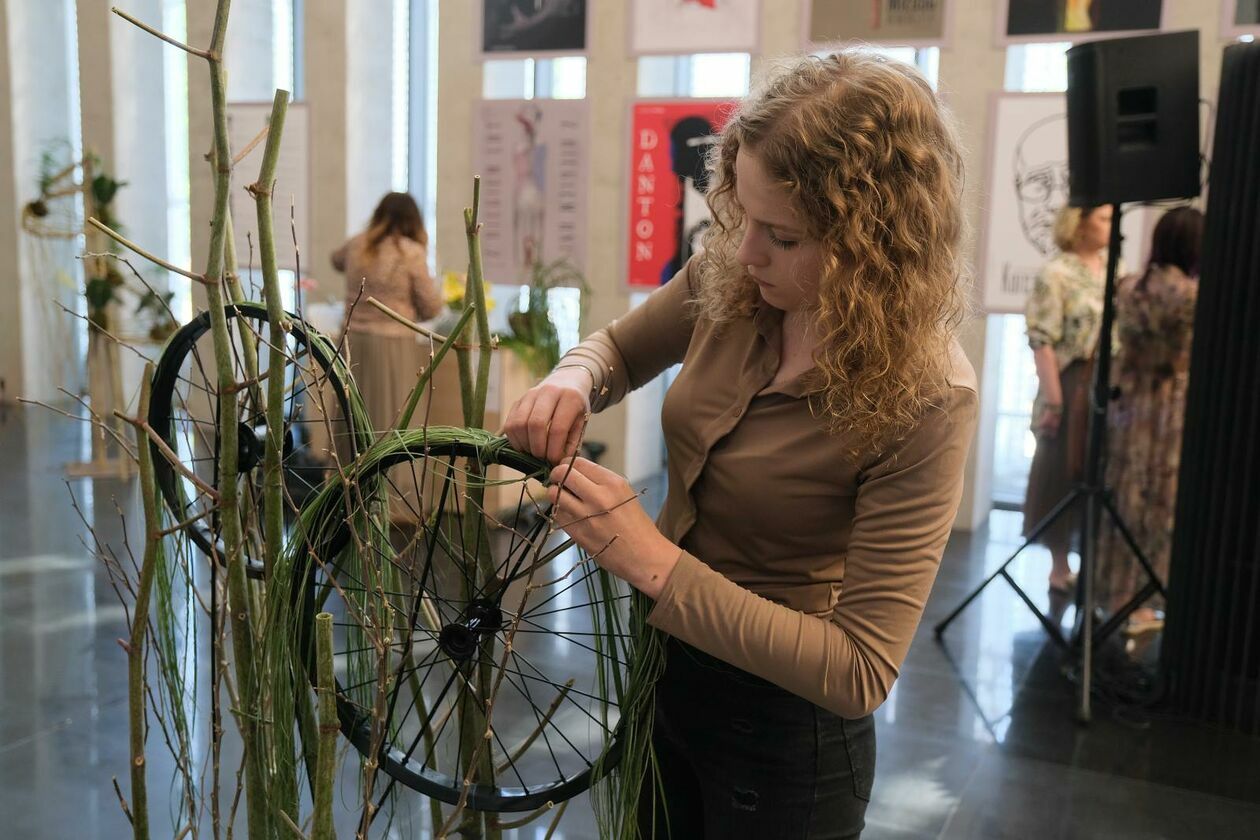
[(1027, 184), (694, 26), (532, 158), (1070, 20), (916, 23), (668, 214), (1242, 17), (292, 188), (529, 28)]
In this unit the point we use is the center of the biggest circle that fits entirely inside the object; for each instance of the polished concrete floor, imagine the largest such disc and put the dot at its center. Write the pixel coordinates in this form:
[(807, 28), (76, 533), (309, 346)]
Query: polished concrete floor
[(976, 741)]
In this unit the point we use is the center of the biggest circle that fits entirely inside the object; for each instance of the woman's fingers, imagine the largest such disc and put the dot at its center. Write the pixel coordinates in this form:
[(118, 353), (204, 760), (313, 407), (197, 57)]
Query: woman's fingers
[(538, 427), (566, 427), (575, 478), (515, 426)]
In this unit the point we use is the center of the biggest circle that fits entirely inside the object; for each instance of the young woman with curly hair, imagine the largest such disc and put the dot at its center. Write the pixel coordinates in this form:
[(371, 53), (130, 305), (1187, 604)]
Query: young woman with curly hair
[(816, 436)]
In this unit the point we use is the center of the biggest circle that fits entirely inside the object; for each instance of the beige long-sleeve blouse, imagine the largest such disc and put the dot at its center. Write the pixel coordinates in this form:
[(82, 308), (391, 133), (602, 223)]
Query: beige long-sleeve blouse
[(396, 274), (800, 564)]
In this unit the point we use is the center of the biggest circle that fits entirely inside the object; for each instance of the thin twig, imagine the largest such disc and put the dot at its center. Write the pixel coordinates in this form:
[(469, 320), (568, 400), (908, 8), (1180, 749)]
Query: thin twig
[(156, 260), (168, 454), (122, 800), (102, 330), (251, 145), (161, 35), (407, 322)]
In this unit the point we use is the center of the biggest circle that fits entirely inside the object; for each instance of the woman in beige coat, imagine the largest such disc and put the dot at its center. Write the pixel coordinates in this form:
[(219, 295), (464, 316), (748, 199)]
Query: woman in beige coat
[(388, 262)]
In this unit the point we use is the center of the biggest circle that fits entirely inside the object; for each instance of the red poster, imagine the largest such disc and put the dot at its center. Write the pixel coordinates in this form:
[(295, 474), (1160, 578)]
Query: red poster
[(668, 214)]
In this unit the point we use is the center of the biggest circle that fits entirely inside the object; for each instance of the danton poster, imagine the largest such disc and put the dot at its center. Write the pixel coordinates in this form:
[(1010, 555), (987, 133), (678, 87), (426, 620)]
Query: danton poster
[(668, 214)]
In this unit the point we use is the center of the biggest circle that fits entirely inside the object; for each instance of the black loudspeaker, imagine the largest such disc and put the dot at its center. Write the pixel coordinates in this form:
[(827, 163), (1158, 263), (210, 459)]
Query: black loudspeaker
[(1133, 119), (1211, 648)]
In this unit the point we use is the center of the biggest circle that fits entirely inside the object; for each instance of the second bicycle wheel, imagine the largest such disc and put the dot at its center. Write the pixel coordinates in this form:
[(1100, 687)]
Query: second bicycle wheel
[(323, 420), (466, 649)]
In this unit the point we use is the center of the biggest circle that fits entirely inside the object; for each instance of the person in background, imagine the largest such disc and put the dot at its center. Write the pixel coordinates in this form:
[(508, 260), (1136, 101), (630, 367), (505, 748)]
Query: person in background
[(1064, 312), (1154, 321), (389, 262), (816, 436)]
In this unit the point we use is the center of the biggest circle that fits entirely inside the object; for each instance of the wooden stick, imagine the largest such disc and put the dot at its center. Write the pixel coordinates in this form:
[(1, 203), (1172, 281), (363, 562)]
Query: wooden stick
[(407, 322), (156, 260), (168, 454), (160, 35), (326, 763), (249, 147), (140, 621)]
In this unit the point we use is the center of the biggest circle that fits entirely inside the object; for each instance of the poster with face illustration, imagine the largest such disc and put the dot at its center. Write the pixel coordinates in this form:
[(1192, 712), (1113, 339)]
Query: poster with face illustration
[(1027, 184), (668, 181), (532, 159), (694, 26)]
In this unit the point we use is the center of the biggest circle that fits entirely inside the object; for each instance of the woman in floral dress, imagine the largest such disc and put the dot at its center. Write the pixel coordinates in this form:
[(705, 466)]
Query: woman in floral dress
[(1154, 321), (1063, 312)]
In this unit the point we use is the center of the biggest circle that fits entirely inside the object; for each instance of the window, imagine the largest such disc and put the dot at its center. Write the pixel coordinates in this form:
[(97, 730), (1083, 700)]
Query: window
[(927, 59), (704, 75), (178, 223), (1029, 67), (530, 78), (401, 91)]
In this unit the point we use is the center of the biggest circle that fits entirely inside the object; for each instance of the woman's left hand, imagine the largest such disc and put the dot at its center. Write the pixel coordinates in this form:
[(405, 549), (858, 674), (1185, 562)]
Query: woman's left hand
[(601, 512)]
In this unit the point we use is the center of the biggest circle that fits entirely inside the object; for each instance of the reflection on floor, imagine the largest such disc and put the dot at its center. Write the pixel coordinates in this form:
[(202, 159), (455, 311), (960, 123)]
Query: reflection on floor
[(977, 739)]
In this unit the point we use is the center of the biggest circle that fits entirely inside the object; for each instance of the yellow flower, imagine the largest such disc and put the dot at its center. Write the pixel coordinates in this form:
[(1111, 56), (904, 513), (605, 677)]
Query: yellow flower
[(453, 286)]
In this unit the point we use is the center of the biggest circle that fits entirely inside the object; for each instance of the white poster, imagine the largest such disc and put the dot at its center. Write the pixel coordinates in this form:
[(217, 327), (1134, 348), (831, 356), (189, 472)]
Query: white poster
[(292, 189), (532, 159), (1027, 184), (694, 26)]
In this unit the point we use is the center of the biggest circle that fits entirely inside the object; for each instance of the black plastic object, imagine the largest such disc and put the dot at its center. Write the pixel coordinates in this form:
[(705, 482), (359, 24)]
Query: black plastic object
[(1211, 652), (1133, 119)]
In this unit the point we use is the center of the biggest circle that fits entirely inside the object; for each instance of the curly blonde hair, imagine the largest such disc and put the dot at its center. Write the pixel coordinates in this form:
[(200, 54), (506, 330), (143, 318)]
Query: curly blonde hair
[(872, 163), (1067, 223)]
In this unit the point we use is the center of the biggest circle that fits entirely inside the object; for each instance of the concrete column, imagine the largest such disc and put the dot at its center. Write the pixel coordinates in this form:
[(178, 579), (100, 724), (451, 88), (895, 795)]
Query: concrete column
[(96, 91), (971, 69), (11, 370), (459, 89), (200, 22), (780, 33), (326, 93), (610, 87)]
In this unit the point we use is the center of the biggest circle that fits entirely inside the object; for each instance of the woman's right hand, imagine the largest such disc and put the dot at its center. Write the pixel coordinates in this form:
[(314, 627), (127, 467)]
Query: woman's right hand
[(1049, 421), (549, 420)]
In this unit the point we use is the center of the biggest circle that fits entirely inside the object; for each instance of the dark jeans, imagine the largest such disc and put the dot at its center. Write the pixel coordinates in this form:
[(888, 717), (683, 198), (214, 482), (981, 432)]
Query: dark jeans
[(742, 758)]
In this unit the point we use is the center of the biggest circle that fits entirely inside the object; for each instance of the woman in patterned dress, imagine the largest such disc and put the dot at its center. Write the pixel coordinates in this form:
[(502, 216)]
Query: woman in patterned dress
[(1064, 312), (1154, 321)]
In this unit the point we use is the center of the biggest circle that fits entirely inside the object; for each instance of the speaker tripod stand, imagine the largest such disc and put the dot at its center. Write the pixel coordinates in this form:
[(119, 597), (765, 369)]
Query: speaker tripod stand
[(1095, 498)]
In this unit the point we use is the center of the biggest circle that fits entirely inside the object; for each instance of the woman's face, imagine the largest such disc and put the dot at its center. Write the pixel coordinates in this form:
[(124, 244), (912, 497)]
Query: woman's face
[(776, 250), (1094, 231)]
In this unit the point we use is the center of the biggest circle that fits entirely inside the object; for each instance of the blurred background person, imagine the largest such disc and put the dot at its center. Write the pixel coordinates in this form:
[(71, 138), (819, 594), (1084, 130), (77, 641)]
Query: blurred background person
[(390, 261), (1064, 312), (1155, 322)]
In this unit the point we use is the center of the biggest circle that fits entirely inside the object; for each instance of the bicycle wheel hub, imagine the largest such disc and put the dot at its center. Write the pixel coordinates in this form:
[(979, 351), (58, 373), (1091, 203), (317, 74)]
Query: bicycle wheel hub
[(460, 639)]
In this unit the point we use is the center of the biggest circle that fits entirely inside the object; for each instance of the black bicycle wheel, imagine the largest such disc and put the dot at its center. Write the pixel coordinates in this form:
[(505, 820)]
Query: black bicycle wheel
[(523, 650), (321, 427)]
